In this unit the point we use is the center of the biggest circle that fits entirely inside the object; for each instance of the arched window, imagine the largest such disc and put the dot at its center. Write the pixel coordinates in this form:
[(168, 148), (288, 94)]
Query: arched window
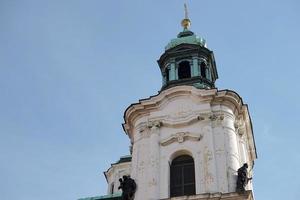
[(182, 176), (203, 69), (184, 70), (167, 72)]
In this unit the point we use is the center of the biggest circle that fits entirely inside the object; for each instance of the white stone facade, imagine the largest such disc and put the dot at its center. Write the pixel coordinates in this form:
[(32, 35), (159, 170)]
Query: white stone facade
[(213, 127)]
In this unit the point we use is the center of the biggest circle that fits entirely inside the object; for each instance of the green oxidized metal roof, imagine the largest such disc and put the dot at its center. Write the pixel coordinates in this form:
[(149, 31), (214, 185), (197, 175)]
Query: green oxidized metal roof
[(115, 196), (186, 37), (124, 159)]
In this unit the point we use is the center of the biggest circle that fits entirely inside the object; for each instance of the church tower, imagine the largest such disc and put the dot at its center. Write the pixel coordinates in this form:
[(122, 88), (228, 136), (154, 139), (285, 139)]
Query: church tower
[(189, 140)]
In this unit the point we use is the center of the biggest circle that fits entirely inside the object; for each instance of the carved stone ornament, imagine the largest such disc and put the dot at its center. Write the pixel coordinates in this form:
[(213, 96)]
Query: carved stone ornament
[(154, 124), (201, 118), (180, 137), (240, 125), (214, 117)]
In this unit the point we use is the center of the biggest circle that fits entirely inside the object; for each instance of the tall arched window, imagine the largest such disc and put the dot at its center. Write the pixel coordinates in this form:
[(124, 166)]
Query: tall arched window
[(182, 176), (167, 72), (184, 70), (203, 69)]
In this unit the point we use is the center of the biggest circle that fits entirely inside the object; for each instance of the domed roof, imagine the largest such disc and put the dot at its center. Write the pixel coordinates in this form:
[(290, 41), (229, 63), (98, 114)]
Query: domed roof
[(186, 37)]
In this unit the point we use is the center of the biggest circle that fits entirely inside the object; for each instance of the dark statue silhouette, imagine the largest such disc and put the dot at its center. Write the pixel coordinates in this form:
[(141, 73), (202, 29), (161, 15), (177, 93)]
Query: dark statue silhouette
[(128, 187), (242, 178)]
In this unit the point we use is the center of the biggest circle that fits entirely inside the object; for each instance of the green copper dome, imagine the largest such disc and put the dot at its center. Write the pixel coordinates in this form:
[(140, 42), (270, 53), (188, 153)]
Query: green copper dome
[(186, 37)]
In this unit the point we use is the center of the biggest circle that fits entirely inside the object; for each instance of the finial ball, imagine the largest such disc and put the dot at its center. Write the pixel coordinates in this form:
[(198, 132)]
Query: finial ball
[(186, 23)]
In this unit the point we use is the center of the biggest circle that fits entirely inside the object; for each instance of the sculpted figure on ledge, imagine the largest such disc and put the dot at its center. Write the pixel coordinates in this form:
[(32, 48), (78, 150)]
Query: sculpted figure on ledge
[(128, 187), (242, 178)]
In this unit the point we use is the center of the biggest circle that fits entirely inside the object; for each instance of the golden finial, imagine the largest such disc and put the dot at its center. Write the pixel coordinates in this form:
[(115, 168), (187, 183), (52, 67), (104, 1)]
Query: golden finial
[(186, 22)]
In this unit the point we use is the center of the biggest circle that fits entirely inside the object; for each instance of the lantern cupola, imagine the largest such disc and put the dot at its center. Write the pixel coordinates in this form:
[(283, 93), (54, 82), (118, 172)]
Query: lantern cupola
[(187, 60)]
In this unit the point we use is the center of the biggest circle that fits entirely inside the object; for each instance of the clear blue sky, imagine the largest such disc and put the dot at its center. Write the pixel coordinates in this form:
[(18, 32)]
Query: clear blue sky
[(69, 69)]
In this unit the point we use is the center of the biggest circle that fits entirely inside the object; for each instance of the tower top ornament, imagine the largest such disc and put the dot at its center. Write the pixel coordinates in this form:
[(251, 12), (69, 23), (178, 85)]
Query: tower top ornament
[(186, 22)]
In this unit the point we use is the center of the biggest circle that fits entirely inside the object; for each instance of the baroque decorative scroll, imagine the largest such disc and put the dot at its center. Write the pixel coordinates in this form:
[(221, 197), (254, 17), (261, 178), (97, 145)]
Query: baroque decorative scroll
[(180, 137)]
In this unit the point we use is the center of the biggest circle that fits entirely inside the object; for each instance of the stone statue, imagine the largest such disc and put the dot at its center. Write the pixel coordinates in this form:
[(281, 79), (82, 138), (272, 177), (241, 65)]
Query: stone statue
[(242, 178), (128, 187)]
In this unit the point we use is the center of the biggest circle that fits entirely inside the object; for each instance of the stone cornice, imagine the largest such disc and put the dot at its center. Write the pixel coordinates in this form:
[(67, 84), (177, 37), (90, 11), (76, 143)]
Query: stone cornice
[(213, 96), (177, 51), (145, 106), (247, 195)]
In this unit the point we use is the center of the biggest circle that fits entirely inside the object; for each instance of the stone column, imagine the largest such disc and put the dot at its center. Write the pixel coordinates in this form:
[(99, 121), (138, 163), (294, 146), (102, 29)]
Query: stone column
[(240, 129), (231, 144), (140, 161), (209, 162), (243, 150), (220, 154), (153, 168), (164, 177)]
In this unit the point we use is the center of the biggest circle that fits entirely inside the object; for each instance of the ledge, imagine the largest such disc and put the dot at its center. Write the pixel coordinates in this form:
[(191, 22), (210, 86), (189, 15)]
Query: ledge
[(247, 195), (115, 196)]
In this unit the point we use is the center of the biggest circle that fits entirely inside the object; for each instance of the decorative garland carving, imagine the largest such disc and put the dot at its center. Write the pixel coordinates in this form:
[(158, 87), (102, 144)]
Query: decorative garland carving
[(180, 138)]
